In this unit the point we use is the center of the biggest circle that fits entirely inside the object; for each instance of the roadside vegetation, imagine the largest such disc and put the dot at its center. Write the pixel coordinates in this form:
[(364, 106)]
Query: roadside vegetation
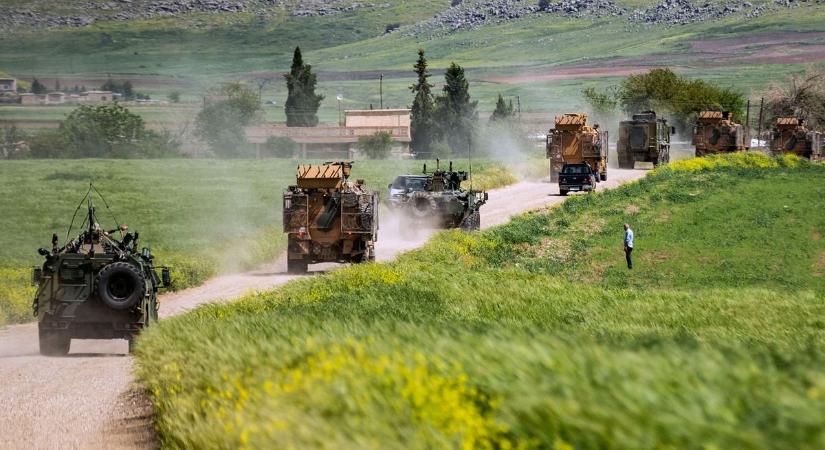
[(201, 217), (534, 334)]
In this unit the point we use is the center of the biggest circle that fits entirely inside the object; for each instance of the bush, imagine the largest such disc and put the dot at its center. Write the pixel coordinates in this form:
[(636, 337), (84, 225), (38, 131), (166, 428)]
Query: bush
[(377, 146), (280, 147), (221, 123)]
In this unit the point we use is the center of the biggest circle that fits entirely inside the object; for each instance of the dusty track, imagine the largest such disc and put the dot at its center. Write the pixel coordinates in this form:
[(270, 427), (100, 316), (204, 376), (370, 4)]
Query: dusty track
[(87, 400)]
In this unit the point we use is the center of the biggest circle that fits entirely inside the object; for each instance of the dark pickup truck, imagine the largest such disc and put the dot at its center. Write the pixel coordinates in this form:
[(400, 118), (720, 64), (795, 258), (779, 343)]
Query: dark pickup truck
[(577, 177)]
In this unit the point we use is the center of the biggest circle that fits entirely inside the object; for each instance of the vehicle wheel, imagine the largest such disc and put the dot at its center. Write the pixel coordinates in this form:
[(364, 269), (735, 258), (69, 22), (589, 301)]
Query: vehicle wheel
[(131, 342), (472, 222), (563, 192), (296, 266), (53, 342), (603, 176), (422, 204), (121, 285)]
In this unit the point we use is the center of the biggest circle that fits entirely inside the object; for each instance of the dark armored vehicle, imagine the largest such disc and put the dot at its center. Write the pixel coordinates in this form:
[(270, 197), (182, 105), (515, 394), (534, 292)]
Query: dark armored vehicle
[(95, 287), (328, 218), (644, 138), (436, 199), (577, 177)]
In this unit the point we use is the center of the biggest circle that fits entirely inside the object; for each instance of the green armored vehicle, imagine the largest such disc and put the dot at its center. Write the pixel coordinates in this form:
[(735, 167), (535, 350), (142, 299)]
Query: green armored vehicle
[(436, 199), (644, 139), (95, 287)]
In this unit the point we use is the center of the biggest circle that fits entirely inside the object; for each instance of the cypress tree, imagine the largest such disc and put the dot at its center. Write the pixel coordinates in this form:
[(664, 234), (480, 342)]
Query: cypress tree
[(422, 127), (457, 114), (503, 111), (302, 102)]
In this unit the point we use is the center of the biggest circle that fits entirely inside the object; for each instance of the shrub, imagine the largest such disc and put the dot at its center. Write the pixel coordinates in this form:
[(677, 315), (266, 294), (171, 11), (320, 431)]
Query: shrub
[(280, 147), (377, 146)]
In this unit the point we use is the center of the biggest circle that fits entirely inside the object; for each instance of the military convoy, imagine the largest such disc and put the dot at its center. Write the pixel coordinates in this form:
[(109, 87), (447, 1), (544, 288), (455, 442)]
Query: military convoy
[(644, 139), (328, 218), (573, 141), (790, 135), (436, 199), (716, 132), (95, 287)]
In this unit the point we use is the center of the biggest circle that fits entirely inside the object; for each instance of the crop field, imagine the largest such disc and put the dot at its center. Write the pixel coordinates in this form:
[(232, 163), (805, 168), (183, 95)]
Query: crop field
[(200, 217), (714, 339)]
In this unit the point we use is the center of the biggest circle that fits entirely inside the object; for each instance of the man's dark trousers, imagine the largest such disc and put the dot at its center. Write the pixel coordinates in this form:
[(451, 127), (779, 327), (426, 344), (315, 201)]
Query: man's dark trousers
[(627, 252)]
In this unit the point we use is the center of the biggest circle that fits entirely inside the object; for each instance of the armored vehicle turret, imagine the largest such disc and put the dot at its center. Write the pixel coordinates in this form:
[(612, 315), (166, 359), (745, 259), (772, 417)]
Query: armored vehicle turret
[(645, 138), (328, 218), (436, 199), (790, 135), (99, 285), (716, 132)]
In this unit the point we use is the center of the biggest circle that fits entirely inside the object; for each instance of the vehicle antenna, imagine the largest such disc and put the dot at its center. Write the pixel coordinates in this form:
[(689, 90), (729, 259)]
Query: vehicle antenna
[(470, 158), (71, 224), (117, 224)]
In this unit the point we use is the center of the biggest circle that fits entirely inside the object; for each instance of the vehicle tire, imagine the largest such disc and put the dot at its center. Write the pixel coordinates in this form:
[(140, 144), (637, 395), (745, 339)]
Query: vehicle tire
[(53, 342), (563, 192), (472, 222), (121, 285), (296, 266), (131, 342), (603, 176), (422, 204)]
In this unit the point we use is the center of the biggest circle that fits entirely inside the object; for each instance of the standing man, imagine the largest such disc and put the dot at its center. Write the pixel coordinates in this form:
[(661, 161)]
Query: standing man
[(628, 245)]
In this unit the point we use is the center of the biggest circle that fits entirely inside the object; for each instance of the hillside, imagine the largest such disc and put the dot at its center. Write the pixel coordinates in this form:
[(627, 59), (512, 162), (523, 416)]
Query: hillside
[(714, 340), (545, 56)]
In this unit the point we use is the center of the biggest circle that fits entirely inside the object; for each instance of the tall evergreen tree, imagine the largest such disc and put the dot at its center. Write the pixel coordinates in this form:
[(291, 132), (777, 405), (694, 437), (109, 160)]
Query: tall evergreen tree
[(422, 125), (503, 111), (38, 87), (457, 114), (302, 102)]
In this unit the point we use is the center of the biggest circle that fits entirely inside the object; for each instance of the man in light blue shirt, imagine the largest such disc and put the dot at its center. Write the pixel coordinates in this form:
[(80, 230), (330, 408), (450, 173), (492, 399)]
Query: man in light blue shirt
[(628, 245)]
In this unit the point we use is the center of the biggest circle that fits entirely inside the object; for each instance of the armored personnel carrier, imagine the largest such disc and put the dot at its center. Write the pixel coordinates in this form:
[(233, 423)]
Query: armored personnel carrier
[(644, 139), (437, 199), (95, 287), (328, 218), (716, 132), (790, 135), (573, 141)]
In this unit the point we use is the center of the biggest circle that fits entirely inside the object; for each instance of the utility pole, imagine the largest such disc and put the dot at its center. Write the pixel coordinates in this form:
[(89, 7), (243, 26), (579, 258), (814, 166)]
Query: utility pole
[(759, 135), (748, 123), (381, 90), (518, 102)]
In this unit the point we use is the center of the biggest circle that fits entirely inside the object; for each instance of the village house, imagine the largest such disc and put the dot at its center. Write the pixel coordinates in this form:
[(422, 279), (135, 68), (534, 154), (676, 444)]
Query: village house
[(8, 85)]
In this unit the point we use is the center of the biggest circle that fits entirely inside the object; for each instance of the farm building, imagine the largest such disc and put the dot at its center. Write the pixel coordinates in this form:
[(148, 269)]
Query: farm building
[(8, 85), (341, 141)]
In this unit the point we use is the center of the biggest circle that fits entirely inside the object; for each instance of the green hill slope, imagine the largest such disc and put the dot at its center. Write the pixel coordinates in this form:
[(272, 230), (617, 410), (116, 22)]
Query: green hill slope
[(532, 334)]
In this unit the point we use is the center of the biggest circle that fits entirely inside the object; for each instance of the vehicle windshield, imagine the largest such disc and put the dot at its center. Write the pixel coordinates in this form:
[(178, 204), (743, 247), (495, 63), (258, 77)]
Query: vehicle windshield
[(576, 170), (411, 183)]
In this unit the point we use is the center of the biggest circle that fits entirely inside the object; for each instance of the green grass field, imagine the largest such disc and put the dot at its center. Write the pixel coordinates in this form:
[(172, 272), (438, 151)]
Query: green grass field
[(533, 334), (200, 217)]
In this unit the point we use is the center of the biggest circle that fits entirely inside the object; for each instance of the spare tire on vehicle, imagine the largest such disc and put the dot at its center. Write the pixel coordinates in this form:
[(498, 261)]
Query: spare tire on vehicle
[(422, 204), (121, 285)]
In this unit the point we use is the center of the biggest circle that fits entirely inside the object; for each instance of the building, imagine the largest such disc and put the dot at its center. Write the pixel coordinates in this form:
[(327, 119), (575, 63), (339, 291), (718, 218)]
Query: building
[(97, 97), (32, 99), (340, 141), (55, 98), (8, 85)]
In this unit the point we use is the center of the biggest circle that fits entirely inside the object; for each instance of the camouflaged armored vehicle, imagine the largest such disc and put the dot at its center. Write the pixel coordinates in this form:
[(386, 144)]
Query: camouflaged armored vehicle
[(572, 141), (790, 135), (99, 285), (436, 200), (716, 132), (644, 139), (328, 218)]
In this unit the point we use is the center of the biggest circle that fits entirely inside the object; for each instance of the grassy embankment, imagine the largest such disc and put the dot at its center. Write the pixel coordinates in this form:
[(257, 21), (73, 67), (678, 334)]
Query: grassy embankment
[(199, 217), (534, 334)]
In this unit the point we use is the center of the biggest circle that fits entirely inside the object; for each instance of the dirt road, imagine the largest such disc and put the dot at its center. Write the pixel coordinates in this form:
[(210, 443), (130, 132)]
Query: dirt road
[(87, 400)]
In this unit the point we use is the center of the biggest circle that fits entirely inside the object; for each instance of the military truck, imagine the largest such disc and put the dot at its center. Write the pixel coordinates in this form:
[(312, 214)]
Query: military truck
[(328, 218), (790, 135), (716, 132), (436, 199), (644, 139), (95, 287), (573, 141)]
